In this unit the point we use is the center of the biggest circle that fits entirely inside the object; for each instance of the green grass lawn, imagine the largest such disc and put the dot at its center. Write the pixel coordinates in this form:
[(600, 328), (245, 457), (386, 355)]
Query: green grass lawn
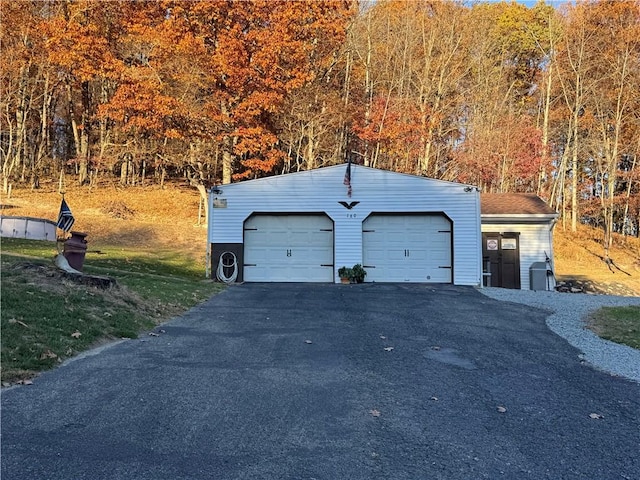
[(618, 324), (46, 318)]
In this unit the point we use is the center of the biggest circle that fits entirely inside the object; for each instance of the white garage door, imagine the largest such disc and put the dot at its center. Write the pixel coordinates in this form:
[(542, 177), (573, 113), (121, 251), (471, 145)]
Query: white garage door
[(288, 248), (407, 248)]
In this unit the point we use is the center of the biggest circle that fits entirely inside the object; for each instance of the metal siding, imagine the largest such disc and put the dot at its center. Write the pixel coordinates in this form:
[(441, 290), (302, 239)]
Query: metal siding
[(378, 191)]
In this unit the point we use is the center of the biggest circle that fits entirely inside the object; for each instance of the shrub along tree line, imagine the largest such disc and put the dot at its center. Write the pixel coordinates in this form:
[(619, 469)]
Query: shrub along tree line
[(504, 96)]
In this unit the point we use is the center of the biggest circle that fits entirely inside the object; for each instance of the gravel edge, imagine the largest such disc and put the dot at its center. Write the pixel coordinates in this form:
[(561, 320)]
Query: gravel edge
[(567, 320)]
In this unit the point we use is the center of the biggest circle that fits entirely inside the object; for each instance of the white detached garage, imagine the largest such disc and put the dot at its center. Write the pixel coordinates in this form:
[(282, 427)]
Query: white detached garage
[(302, 227)]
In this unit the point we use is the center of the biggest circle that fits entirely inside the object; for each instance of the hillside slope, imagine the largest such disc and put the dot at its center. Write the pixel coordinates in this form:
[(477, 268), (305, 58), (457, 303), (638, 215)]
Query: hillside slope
[(149, 218), (579, 261)]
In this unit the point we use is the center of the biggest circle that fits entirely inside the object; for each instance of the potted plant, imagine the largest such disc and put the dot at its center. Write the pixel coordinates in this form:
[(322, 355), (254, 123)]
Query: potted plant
[(345, 274), (358, 273)]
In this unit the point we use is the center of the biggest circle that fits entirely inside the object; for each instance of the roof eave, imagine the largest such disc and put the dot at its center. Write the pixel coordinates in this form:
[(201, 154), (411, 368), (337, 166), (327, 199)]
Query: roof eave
[(518, 218)]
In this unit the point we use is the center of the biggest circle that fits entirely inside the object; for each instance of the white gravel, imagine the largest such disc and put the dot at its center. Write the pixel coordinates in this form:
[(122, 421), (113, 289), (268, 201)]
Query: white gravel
[(570, 310)]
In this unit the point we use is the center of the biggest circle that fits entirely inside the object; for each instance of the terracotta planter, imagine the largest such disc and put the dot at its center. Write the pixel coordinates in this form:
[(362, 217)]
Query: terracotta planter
[(345, 281)]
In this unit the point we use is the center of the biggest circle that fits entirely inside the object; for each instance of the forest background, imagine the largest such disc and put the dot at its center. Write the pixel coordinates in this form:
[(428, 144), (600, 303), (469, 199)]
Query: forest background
[(542, 99)]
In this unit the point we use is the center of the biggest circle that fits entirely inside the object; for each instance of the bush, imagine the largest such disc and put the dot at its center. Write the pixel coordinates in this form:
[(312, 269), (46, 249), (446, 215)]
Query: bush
[(358, 273), (345, 272)]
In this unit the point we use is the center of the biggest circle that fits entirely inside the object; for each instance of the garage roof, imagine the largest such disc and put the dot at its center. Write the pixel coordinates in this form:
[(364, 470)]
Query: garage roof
[(513, 204)]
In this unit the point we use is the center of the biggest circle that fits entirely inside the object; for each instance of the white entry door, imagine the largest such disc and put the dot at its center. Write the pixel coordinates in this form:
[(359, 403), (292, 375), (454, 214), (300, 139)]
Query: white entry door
[(288, 248), (407, 248)]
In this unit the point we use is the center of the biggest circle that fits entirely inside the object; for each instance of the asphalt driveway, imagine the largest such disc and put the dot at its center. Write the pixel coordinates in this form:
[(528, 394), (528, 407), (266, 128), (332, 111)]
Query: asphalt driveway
[(290, 381)]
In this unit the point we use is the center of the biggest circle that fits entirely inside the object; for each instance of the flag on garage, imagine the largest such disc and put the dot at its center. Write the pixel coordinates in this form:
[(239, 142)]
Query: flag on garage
[(347, 178)]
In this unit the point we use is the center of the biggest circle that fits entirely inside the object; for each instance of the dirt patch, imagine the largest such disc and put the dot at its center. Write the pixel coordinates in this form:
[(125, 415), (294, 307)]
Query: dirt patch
[(579, 262)]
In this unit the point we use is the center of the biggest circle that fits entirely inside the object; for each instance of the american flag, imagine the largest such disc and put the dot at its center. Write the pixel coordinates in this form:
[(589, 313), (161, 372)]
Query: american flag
[(347, 178), (65, 218)]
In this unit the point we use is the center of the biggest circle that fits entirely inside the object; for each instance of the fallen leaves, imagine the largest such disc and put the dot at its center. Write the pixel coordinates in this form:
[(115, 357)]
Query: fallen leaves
[(374, 413), (19, 322), (76, 334), (596, 416), (501, 409), (48, 354), (308, 342), (386, 349)]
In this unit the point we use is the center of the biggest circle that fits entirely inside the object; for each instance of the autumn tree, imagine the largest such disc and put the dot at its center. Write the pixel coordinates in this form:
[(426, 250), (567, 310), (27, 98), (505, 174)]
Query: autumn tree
[(501, 95), (259, 52), (26, 83), (78, 53), (615, 31)]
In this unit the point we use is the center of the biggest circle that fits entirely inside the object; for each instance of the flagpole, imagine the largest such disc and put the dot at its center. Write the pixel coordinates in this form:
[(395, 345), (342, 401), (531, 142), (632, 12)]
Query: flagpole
[(61, 186), (347, 176)]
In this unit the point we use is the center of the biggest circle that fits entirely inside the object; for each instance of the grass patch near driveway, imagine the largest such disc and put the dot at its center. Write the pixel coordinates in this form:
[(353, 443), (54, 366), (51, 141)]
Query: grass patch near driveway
[(618, 324), (46, 317)]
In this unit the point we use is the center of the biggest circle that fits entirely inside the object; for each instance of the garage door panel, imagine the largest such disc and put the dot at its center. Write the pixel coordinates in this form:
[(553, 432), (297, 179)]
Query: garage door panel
[(407, 248), (265, 255), (380, 253), (288, 248)]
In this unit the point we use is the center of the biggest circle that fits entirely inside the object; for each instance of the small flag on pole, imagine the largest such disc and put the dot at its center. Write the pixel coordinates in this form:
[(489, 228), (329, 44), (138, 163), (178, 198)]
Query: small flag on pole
[(347, 178), (65, 218)]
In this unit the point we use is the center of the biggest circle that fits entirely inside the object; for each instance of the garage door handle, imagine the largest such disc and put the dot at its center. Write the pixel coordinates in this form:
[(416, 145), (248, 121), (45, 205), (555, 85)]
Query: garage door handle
[(288, 253)]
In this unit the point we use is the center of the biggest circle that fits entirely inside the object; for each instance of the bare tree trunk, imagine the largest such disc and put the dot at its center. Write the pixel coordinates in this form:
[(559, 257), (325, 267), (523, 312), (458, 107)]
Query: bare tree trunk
[(203, 196), (103, 126), (124, 169), (574, 180), (545, 132), (310, 153), (625, 216), (83, 158), (43, 140), (227, 159), (15, 156)]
